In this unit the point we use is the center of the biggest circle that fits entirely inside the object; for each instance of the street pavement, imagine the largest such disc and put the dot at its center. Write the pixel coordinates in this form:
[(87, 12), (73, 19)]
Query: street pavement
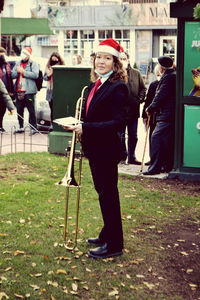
[(10, 143)]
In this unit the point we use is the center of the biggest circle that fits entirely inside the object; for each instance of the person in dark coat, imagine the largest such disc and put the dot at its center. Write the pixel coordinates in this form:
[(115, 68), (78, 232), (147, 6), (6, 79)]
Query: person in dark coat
[(54, 60), (5, 76), (149, 98), (162, 140), (104, 118), (137, 91), (5, 99)]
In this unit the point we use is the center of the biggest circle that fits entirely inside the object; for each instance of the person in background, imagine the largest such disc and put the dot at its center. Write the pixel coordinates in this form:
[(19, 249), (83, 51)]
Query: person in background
[(76, 59), (5, 99), (149, 98), (136, 96), (103, 119), (162, 139), (25, 71), (54, 59), (5, 76)]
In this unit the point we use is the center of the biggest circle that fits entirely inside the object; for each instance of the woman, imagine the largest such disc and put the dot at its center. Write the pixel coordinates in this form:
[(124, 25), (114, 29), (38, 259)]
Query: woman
[(55, 59), (104, 117)]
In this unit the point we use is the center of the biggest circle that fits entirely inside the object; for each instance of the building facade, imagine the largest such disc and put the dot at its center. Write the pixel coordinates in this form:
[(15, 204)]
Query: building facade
[(142, 27)]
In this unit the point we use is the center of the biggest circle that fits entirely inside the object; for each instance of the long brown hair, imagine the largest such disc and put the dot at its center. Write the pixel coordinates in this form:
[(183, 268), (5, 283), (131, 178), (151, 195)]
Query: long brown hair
[(118, 71), (60, 59)]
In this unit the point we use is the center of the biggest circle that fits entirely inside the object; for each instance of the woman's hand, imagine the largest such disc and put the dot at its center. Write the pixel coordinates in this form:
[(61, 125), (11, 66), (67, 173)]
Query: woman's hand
[(77, 128)]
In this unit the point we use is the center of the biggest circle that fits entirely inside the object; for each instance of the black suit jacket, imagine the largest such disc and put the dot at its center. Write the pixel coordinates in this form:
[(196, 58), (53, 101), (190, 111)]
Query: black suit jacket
[(105, 119)]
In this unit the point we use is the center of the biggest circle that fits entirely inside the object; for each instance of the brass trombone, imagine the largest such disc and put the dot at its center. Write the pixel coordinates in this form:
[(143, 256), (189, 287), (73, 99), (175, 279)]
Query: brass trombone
[(69, 180)]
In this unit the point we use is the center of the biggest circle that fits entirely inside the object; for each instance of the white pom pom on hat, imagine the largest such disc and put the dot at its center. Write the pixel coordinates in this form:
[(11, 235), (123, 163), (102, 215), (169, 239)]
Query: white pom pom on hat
[(27, 50)]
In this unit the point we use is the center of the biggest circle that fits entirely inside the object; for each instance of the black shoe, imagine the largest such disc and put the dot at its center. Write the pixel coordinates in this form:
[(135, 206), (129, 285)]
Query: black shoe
[(95, 242), (148, 163), (21, 130), (134, 162), (150, 173), (104, 252), (2, 130)]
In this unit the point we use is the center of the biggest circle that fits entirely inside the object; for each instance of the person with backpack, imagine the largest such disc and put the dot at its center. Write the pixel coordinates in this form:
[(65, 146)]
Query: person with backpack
[(26, 71), (55, 59)]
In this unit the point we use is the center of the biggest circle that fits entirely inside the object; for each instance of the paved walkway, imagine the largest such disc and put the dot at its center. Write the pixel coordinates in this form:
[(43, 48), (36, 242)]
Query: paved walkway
[(10, 143)]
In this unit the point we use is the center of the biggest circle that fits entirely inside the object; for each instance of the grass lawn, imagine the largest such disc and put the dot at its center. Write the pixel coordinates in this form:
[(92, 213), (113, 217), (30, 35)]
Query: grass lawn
[(161, 233)]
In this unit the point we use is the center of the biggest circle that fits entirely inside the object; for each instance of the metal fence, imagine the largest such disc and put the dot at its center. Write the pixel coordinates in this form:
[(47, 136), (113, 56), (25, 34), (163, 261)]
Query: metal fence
[(23, 142)]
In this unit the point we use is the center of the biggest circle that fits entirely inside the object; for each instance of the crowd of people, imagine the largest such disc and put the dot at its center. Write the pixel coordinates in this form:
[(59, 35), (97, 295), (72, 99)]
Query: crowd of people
[(159, 102)]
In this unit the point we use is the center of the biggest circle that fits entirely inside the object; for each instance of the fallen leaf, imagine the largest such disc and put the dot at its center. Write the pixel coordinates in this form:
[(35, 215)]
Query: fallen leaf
[(61, 271), (184, 253), (113, 293), (88, 270), (149, 285), (193, 285), (2, 294), (38, 275), (18, 252), (74, 287), (19, 296), (189, 271), (139, 276), (35, 287)]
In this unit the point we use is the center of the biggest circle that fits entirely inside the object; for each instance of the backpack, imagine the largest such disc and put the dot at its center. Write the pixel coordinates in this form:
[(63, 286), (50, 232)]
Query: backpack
[(39, 80)]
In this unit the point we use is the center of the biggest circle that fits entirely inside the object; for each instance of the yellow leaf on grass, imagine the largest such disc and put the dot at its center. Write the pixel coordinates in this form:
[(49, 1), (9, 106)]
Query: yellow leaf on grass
[(61, 271), (55, 284), (184, 253), (113, 293), (189, 271), (149, 285), (3, 234), (53, 298), (88, 270), (139, 276), (19, 296), (192, 285), (2, 294), (35, 287), (38, 275), (74, 287), (18, 252)]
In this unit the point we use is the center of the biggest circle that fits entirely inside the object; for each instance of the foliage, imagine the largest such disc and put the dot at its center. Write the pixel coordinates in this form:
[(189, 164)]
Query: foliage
[(196, 13)]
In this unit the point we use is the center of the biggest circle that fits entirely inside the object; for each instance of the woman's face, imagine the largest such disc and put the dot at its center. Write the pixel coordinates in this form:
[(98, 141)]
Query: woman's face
[(104, 62)]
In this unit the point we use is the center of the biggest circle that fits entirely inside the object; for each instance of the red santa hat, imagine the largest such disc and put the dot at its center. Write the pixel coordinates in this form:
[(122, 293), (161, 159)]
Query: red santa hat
[(110, 46), (27, 51)]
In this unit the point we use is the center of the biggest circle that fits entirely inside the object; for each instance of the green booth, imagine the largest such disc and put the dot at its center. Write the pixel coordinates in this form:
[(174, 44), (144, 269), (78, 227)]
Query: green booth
[(187, 134), (68, 84)]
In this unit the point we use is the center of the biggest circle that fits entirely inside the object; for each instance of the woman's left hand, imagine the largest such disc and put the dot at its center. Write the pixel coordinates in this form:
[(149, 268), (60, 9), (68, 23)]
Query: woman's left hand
[(77, 128)]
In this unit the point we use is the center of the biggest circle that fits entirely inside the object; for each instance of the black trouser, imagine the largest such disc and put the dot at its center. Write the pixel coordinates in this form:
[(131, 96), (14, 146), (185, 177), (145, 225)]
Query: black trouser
[(2, 112), (105, 177), (29, 103), (162, 147)]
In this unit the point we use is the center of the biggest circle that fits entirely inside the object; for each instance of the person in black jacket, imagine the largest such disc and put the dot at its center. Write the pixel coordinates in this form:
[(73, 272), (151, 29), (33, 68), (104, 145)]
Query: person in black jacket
[(104, 117), (149, 98), (162, 140), (137, 91)]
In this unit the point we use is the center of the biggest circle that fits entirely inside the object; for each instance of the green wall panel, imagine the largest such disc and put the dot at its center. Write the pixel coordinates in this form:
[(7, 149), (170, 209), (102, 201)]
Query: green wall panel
[(191, 149)]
